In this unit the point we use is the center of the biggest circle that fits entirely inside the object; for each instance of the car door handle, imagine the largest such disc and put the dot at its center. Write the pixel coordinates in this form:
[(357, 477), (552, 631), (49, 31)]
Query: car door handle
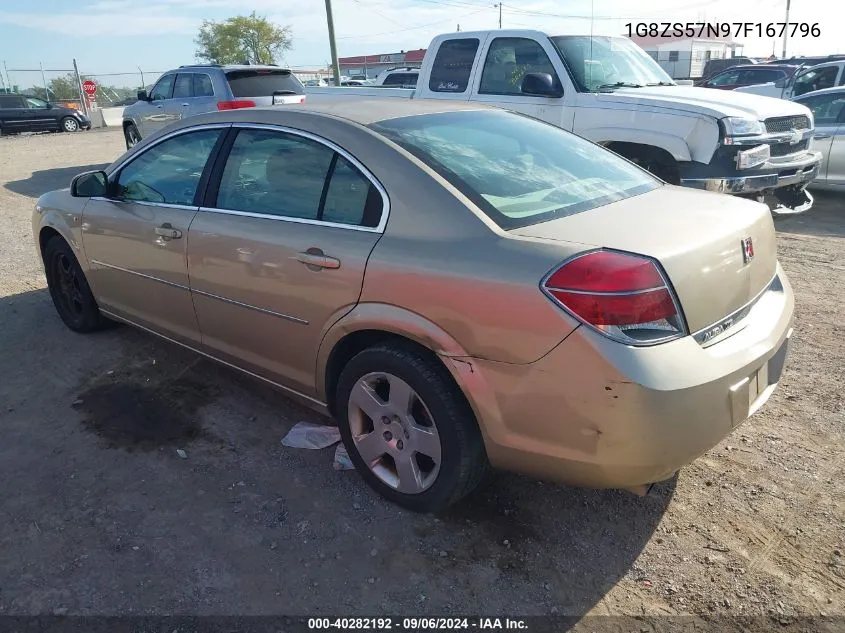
[(166, 230), (318, 259), (159, 107), (185, 105), (822, 136)]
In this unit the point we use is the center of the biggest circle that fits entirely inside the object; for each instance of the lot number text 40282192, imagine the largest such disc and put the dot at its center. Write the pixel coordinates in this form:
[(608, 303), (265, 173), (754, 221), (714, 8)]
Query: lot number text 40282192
[(415, 624), (722, 29)]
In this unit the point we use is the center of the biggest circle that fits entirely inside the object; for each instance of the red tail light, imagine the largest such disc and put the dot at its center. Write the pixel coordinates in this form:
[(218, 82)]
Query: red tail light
[(235, 105), (623, 296)]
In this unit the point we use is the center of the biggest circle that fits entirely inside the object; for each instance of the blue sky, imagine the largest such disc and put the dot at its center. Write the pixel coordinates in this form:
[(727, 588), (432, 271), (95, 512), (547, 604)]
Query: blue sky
[(116, 36)]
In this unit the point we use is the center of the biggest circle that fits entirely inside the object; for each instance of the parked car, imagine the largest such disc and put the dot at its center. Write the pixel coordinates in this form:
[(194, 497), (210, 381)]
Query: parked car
[(714, 66), (739, 76), (460, 286), (608, 90), (813, 60), (828, 108), (806, 79), (403, 77), (196, 89), (21, 113)]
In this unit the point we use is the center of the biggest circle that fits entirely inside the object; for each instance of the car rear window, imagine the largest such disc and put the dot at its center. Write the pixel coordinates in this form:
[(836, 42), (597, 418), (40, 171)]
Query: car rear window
[(518, 170), (262, 83)]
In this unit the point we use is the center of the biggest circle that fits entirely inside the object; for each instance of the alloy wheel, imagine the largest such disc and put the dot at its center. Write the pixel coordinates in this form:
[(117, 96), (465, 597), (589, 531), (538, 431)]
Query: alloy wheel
[(70, 292), (394, 432), (70, 125)]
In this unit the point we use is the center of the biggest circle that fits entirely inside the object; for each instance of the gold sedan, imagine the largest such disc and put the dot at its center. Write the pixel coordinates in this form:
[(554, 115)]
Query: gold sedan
[(458, 286)]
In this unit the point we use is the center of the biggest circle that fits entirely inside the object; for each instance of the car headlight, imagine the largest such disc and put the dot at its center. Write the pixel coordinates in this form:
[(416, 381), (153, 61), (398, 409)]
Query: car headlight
[(738, 126)]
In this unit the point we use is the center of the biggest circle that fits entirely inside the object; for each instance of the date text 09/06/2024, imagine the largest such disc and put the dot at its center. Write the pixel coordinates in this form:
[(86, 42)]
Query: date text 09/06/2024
[(415, 624), (722, 29)]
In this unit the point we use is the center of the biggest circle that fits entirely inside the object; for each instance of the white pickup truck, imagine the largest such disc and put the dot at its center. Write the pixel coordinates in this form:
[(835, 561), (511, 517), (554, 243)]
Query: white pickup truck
[(608, 90)]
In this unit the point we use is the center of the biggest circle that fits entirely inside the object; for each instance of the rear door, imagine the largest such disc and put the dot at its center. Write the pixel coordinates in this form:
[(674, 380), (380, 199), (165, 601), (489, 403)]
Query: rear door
[(204, 99), (181, 101), (278, 252), (12, 113), (40, 115), (451, 72), (265, 86)]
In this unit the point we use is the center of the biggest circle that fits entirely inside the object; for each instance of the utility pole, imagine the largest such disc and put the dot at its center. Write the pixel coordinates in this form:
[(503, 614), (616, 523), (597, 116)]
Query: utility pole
[(499, 4), (786, 30), (44, 81), (332, 45)]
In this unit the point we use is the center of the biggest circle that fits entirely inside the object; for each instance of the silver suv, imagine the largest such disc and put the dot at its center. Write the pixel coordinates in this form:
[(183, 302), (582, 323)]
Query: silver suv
[(196, 89)]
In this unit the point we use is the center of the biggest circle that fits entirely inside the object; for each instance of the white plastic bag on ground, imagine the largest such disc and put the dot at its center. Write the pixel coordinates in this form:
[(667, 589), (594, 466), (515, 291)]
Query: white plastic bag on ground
[(310, 435), (341, 459)]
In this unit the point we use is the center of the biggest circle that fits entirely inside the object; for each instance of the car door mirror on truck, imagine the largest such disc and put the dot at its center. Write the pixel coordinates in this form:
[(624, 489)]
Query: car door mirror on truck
[(540, 84), (91, 184), (142, 95)]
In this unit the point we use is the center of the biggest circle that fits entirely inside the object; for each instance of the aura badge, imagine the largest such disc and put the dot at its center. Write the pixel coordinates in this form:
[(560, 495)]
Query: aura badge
[(747, 250)]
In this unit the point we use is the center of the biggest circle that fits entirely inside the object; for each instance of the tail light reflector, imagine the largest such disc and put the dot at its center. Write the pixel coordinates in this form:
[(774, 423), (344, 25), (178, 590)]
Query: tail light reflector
[(235, 105), (623, 296)]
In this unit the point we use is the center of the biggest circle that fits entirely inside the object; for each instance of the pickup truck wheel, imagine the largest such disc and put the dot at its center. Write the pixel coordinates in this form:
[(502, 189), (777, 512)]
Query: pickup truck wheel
[(653, 159), (408, 429), (130, 133)]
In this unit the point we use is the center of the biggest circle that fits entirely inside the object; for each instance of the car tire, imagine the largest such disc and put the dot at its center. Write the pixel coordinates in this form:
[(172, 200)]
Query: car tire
[(131, 136), (72, 297), (436, 412), (69, 124)]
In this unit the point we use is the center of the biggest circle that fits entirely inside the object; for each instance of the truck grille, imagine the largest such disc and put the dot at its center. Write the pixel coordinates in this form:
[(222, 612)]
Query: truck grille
[(782, 149), (787, 123)]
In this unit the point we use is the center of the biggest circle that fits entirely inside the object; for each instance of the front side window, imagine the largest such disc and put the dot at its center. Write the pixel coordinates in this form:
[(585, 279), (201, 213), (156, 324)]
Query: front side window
[(816, 80), (169, 172), (509, 59), (827, 109), (286, 175), (604, 63), (183, 88), (35, 104), (163, 89), (518, 170), (453, 65)]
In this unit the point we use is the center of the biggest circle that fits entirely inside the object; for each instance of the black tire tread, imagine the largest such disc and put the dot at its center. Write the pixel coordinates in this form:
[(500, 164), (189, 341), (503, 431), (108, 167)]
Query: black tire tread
[(473, 465)]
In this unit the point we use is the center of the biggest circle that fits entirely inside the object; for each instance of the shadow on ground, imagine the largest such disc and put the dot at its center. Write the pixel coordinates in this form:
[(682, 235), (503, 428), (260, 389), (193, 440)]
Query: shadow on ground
[(214, 516), (49, 179), (825, 219)]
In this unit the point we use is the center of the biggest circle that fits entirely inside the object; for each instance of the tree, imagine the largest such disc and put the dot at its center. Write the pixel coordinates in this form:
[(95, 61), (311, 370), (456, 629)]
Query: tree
[(242, 38)]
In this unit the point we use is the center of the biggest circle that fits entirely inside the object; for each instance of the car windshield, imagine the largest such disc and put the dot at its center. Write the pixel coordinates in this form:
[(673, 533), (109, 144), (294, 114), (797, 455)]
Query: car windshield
[(518, 170), (604, 63)]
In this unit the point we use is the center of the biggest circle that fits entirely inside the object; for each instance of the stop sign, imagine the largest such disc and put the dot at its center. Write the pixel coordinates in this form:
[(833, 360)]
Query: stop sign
[(89, 87)]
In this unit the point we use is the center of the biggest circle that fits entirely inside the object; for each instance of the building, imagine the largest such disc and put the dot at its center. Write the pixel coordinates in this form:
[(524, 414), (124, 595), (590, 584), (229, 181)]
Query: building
[(684, 58), (371, 65)]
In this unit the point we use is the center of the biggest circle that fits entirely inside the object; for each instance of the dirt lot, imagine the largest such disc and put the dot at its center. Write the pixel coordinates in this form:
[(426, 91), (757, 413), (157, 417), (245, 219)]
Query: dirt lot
[(99, 515)]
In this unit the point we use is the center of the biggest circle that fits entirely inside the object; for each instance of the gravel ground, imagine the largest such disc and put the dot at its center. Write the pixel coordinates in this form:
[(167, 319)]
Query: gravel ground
[(100, 515)]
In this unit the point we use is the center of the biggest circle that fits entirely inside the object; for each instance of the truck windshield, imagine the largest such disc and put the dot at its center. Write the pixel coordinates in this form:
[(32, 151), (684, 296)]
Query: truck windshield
[(605, 63), (517, 170)]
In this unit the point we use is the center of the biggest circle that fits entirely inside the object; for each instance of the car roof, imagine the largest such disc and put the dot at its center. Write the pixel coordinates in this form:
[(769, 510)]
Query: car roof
[(823, 91), (760, 67), (226, 67)]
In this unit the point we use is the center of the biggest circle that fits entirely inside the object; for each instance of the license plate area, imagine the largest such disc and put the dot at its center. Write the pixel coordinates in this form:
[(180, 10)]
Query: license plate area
[(748, 395)]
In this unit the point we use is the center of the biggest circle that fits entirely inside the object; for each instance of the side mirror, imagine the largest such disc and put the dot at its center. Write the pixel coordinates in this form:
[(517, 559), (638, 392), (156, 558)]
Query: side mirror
[(90, 184), (540, 84), (142, 95)]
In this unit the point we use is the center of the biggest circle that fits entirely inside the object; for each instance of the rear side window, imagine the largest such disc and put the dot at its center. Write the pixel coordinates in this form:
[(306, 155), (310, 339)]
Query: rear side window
[(262, 83), (453, 65), (11, 101), (203, 86)]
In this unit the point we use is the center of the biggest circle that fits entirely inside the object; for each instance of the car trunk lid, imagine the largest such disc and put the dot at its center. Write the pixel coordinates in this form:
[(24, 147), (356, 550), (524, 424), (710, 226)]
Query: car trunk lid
[(698, 237)]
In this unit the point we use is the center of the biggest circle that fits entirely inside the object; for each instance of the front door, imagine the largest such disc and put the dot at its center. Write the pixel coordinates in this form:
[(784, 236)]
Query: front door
[(153, 113), (279, 254), (40, 114), (136, 240), (829, 115), (506, 62)]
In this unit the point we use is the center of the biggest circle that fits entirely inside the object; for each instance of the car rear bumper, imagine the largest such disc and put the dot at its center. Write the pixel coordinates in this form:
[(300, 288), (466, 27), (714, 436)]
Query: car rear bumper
[(598, 414)]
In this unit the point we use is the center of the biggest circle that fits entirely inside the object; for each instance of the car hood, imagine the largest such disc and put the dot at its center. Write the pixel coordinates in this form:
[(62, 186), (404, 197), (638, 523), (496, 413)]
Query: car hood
[(715, 103)]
